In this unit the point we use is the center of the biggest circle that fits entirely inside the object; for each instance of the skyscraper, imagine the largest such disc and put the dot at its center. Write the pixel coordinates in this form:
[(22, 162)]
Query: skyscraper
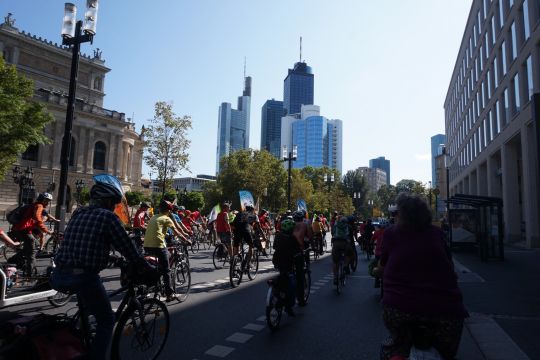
[(233, 125), (298, 88), (437, 144), (318, 139), (383, 164), (271, 114)]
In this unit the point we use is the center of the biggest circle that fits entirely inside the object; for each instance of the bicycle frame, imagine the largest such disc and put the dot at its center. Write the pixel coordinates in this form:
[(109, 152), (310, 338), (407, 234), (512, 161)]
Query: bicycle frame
[(17, 300)]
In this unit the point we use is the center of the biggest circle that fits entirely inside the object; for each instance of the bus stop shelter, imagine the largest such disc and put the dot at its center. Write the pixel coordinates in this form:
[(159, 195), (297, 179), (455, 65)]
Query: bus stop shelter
[(477, 220)]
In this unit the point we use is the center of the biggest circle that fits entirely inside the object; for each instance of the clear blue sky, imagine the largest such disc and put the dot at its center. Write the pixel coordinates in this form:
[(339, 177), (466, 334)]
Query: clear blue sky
[(383, 67)]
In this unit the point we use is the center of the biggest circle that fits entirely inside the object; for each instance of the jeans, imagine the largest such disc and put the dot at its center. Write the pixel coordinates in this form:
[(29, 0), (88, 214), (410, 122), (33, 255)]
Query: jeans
[(163, 260), (27, 252), (92, 295)]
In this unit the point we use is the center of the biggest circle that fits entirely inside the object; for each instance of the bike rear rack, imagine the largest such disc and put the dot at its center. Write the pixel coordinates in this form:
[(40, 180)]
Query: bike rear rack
[(16, 300)]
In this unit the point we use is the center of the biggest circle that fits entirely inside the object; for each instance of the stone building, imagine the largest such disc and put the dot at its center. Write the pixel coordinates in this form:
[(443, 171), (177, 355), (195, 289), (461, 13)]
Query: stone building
[(103, 141)]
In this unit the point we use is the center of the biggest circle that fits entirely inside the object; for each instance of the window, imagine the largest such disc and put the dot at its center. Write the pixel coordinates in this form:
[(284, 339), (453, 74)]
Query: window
[(517, 100), (499, 117), (501, 14), (507, 115), (495, 73), (491, 125), (530, 81), (510, 4), (486, 42), (514, 40), (98, 81), (100, 150), (526, 25), (493, 32), (481, 60), (485, 127), (503, 57), (488, 77), (31, 153)]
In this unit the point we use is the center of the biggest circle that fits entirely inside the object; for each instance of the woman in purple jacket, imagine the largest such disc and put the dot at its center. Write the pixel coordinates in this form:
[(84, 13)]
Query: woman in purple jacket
[(419, 281)]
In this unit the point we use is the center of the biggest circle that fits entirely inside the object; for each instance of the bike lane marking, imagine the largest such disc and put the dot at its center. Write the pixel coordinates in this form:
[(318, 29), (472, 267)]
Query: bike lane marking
[(240, 338), (219, 351)]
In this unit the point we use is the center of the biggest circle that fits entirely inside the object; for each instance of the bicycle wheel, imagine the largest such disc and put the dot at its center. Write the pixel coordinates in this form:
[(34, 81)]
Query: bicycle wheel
[(269, 245), (340, 275), (273, 310), (141, 331), (354, 262), (3, 251), (253, 266), (59, 299), (195, 246), (307, 285), (235, 271), (324, 244), (220, 256), (181, 280)]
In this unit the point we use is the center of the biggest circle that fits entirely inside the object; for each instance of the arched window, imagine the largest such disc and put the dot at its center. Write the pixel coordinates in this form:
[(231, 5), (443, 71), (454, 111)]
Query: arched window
[(31, 153), (97, 83), (72, 152), (100, 150)]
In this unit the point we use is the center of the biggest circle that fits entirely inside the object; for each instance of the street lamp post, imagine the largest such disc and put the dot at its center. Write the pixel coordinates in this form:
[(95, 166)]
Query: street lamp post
[(290, 157), (25, 180), (329, 179), (74, 33)]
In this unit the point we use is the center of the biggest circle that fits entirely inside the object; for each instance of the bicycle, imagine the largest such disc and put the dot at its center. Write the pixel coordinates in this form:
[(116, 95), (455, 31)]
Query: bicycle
[(276, 298), (241, 264), (136, 331), (221, 256)]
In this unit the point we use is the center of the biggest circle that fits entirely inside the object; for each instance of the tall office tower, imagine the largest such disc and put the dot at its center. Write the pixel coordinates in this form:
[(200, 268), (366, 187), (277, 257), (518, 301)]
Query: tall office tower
[(437, 146), (319, 140), (375, 177), (271, 114), (298, 88), (491, 109), (383, 164), (233, 125)]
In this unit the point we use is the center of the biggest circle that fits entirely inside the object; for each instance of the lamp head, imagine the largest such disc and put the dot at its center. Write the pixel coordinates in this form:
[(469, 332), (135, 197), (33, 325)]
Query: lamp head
[(70, 19), (90, 17)]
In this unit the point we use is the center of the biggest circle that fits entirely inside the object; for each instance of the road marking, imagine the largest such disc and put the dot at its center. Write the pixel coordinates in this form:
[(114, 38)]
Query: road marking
[(315, 287), (221, 281), (261, 318), (313, 291), (321, 282), (219, 351), (254, 327), (240, 338), (360, 276)]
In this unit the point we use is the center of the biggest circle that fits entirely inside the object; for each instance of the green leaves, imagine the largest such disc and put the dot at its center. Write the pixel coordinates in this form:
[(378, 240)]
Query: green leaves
[(22, 120)]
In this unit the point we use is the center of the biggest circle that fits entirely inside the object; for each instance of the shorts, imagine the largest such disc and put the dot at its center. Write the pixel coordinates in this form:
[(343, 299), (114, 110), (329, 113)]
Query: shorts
[(242, 236), (225, 238), (339, 245)]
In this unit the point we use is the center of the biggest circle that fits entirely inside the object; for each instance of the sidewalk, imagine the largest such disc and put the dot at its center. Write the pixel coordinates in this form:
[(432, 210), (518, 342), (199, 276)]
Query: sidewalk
[(503, 299)]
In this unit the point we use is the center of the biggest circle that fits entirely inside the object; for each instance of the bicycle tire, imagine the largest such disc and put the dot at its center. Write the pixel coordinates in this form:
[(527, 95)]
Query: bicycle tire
[(273, 311), (195, 246), (235, 271), (269, 245), (307, 285), (60, 299), (253, 266), (131, 332), (3, 251), (181, 280), (220, 261)]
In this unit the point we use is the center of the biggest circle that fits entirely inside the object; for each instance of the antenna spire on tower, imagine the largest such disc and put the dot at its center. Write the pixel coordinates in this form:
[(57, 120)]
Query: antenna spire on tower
[(300, 49)]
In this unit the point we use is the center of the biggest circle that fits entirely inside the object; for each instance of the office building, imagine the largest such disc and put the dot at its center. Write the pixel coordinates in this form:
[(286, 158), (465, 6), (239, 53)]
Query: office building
[(319, 140), (233, 125), (271, 114), (437, 146), (383, 164), (298, 88), (375, 177), (490, 113)]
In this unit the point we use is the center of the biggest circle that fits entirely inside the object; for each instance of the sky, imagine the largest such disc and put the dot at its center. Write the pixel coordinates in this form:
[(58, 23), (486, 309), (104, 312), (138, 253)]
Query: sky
[(383, 67)]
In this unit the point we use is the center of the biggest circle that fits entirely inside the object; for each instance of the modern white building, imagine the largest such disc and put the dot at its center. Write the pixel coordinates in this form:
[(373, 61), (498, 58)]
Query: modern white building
[(319, 140)]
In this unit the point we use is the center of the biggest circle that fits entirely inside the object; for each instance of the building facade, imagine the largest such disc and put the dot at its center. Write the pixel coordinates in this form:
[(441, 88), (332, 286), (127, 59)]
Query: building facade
[(375, 178), (437, 146), (103, 141), (319, 140), (489, 113), (383, 164), (186, 183), (298, 88), (271, 114), (233, 125)]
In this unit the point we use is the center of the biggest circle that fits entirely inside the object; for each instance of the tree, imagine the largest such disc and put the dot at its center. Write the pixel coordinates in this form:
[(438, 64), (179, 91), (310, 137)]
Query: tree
[(410, 186), (301, 188), (212, 195), (386, 196), (166, 143), (134, 198), (22, 120), (355, 182), (194, 200)]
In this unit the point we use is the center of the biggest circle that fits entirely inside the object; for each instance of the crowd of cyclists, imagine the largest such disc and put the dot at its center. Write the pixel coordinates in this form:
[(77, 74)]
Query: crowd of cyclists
[(94, 231)]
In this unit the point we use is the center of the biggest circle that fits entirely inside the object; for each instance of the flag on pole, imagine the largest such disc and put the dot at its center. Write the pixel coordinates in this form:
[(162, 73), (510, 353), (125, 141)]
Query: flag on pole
[(246, 198), (214, 213)]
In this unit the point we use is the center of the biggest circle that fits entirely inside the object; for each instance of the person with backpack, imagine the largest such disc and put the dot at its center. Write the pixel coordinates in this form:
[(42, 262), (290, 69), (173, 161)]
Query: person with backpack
[(30, 217)]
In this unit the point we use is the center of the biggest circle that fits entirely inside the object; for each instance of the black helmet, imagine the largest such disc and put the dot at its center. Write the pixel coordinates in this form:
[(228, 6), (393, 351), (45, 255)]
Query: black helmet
[(105, 191), (145, 205), (299, 215), (249, 207)]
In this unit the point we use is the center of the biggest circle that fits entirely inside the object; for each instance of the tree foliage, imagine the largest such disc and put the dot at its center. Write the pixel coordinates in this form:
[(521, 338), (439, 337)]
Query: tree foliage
[(355, 182), (410, 186), (166, 143), (134, 198), (194, 200), (386, 196), (22, 120)]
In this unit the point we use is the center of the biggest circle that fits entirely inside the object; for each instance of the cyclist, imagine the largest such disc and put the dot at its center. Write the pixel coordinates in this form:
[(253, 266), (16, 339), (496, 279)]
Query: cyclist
[(242, 230), (84, 252), (286, 249), (36, 231), (223, 227), (177, 220), (302, 232), (155, 244), (368, 234), (318, 234), (340, 242), (7, 240), (139, 222), (22, 231)]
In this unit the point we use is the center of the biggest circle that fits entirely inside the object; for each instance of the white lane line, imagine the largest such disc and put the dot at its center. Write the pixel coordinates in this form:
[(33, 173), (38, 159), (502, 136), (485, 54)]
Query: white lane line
[(240, 338), (315, 287), (261, 318), (321, 282), (200, 286), (221, 281), (254, 327), (219, 351), (313, 291)]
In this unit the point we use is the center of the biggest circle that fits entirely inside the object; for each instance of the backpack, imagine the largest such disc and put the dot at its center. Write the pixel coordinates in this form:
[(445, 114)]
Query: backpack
[(18, 214)]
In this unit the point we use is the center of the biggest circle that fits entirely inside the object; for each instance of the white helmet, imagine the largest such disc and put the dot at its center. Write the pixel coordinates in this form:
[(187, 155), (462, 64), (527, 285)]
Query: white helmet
[(44, 196)]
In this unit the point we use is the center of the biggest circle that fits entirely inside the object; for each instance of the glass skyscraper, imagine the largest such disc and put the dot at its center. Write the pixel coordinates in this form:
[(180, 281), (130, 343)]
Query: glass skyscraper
[(383, 164), (437, 144), (298, 88), (271, 114), (233, 125)]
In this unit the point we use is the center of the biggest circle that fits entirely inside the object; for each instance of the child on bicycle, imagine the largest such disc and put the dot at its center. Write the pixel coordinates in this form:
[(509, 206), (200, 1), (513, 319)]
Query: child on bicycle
[(286, 248), (340, 242)]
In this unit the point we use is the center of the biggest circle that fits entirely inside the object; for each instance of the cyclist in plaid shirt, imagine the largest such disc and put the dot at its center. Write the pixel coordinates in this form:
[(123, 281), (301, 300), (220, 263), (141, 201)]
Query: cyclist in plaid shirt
[(84, 252)]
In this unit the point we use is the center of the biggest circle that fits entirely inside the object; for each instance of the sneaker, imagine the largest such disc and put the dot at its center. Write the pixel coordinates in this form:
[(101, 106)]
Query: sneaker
[(170, 298)]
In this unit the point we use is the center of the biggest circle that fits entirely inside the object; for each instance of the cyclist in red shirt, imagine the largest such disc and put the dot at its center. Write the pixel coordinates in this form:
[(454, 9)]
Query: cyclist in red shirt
[(223, 227)]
